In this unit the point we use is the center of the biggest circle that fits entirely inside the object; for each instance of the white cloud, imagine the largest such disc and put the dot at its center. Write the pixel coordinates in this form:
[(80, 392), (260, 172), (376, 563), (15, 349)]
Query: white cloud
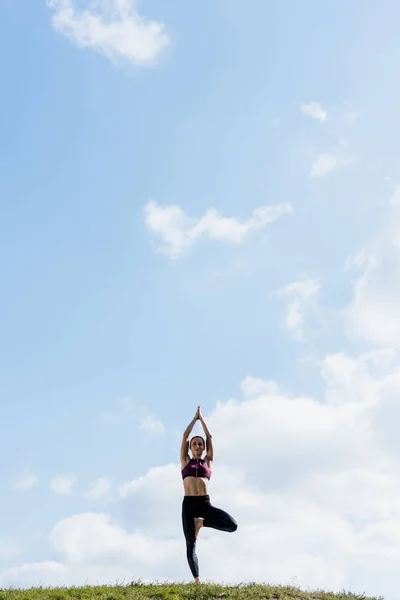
[(305, 288), (149, 423), (62, 484), (34, 574), (25, 482), (314, 110), (373, 314), (294, 319), (325, 163), (147, 502), (323, 435), (113, 27), (98, 488), (351, 114), (83, 537), (303, 293), (179, 231), (125, 407)]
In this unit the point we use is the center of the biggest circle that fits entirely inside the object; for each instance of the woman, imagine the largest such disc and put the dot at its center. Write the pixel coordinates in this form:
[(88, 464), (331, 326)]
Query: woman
[(197, 510)]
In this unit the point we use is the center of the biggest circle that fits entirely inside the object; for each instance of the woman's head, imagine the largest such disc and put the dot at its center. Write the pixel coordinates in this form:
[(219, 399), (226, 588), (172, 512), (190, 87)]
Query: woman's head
[(197, 446)]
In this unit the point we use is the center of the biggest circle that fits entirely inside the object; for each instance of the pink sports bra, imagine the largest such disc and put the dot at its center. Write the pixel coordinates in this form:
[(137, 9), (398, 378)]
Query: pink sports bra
[(196, 467)]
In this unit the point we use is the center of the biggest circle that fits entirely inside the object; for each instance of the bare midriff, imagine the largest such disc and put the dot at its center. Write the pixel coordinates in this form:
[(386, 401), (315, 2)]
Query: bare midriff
[(195, 486)]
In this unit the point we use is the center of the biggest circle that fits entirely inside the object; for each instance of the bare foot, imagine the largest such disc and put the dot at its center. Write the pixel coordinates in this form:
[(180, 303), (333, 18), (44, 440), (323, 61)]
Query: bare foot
[(197, 579), (198, 524)]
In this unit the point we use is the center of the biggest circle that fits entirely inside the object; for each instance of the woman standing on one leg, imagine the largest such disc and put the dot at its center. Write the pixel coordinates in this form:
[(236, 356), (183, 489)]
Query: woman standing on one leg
[(197, 510)]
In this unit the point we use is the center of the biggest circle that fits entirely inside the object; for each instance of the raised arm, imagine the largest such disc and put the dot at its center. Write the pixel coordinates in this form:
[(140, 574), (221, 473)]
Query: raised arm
[(185, 439), (209, 442)]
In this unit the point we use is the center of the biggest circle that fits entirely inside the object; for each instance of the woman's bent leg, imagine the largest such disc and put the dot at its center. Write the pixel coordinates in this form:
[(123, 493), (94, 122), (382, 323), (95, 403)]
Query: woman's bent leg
[(219, 519)]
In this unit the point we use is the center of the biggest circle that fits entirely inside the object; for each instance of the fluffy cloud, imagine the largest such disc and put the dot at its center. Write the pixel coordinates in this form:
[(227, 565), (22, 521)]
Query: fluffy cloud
[(85, 538), (128, 407), (324, 164), (351, 115), (179, 231), (98, 488), (149, 423), (303, 294), (125, 407), (115, 29), (374, 315), (34, 574), (25, 482), (62, 484), (314, 110)]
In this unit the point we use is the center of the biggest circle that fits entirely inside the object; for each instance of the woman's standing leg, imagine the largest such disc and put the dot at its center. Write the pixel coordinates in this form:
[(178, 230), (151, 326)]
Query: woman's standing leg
[(189, 532)]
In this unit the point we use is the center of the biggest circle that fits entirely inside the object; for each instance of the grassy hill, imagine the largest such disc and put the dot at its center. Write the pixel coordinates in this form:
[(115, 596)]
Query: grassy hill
[(139, 591)]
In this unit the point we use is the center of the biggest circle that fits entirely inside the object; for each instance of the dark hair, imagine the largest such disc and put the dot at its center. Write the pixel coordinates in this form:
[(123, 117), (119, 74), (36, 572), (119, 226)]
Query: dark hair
[(197, 436)]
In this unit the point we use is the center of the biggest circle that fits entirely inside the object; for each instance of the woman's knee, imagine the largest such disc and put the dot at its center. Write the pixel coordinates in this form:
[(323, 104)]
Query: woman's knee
[(233, 527)]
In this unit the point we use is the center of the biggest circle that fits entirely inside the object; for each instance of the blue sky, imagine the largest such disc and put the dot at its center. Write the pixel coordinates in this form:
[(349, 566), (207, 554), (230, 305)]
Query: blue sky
[(233, 107)]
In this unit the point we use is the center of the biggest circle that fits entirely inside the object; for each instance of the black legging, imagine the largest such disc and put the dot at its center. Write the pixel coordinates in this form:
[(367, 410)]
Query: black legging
[(200, 507)]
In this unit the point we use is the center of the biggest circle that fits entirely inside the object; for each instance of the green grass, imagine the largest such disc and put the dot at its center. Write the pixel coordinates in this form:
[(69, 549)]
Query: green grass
[(139, 591)]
